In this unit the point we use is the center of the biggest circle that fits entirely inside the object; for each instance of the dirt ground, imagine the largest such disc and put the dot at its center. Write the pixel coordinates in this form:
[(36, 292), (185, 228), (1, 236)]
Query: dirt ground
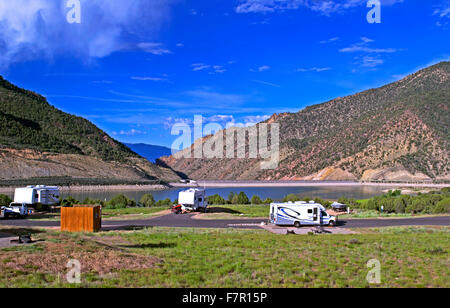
[(52, 254), (5, 240)]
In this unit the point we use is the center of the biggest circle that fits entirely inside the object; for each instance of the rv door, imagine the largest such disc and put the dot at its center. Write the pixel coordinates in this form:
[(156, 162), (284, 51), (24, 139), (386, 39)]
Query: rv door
[(272, 213), (316, 218)]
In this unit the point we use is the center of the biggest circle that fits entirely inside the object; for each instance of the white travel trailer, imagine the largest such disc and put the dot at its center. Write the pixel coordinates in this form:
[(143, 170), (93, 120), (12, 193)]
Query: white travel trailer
[(300, 213), (193, 199), (33, 195)]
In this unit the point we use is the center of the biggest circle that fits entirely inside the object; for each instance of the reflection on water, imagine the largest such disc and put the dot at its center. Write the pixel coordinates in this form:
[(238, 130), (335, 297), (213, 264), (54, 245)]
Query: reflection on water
[(275, 193)]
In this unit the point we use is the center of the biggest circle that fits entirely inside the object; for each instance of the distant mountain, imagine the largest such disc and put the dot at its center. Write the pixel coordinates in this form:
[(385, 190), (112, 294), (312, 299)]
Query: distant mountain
[(400, 131), (38, 140), (148, 151)]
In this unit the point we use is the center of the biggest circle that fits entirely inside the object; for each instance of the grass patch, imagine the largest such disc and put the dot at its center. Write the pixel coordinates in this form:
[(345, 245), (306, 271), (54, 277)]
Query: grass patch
[(203, 258), (375, 214)]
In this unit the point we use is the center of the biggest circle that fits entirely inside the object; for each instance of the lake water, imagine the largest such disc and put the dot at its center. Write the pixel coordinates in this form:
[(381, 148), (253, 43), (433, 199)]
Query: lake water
[(275, 193)]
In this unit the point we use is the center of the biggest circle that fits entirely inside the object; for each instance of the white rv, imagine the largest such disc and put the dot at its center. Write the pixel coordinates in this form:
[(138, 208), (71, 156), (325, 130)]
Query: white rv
[(193, 199), (32, 195), (300, 213)]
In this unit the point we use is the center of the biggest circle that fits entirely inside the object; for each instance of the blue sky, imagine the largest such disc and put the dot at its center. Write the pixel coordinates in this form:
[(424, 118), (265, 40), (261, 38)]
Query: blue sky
[(136, 67)]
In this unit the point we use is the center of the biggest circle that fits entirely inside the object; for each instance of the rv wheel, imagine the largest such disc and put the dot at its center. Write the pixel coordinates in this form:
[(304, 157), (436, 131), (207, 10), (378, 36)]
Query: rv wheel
[(332, 223), (297, 224)]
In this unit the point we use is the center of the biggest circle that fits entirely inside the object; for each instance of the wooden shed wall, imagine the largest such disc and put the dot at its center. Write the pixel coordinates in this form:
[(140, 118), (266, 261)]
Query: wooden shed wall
[(81, 219)]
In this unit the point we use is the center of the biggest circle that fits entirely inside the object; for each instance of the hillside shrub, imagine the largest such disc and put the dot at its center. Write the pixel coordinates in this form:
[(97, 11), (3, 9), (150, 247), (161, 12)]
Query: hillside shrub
[(5, 200), (120, 201), (147, 200), (256, 200)]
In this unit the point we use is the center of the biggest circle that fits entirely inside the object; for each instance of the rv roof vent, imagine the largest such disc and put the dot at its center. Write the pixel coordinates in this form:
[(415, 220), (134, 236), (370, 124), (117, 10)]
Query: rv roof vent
[(30, 186), (312, 202)]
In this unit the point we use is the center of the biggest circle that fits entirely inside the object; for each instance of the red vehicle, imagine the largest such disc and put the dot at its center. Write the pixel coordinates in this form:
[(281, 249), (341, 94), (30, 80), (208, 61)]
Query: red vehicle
[(177, 209)]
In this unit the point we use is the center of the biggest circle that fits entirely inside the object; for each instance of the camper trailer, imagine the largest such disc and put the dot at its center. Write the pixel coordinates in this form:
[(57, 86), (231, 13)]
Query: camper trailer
[(33, 195), (299, 214), (193, 199)]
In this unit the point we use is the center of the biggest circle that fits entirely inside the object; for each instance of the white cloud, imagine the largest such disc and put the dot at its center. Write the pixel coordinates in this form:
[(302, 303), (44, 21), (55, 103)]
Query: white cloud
[(267, 83), (200, 66), (442, 11), (213, 69), (362, 46), (369, 61), (131, 132), (256, 119), (38, 29), (314, 69), (261, 68), (324, 7), (154, 48), (333, 39), (149, 78)]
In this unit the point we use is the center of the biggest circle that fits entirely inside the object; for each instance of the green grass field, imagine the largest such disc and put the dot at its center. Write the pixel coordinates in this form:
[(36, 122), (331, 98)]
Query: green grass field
[(169, 257)]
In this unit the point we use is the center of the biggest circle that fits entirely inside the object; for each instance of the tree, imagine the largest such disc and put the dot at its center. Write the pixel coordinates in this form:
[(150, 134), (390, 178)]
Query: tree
[(216, 200), (256, 200), (230, 197), (291, 198), (242, 198), (147, 200), (235, 199), (442, 206), (268, 201), (89, 201), (5, 200), (163, 203), (121, 201), (69, 202)]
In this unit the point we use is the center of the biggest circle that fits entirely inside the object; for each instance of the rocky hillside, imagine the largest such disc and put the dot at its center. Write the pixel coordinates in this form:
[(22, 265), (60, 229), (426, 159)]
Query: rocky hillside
[(396, 132), (38, 140)]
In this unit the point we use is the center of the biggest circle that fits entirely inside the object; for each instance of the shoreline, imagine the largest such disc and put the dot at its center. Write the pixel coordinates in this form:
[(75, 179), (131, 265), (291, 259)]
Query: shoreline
[(99, 188), (226, 184), (232, 184)]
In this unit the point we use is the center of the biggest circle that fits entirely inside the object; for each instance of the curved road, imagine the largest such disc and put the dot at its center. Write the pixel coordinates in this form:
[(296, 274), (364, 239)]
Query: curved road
[(186, 221)]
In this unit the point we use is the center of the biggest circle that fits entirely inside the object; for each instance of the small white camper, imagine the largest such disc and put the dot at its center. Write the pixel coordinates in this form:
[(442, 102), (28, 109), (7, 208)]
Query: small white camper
[(33, 195), (193, 199), (300, 213)]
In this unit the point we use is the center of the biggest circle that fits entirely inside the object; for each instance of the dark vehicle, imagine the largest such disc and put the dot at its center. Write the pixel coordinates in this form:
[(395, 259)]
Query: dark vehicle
[(339, 207)]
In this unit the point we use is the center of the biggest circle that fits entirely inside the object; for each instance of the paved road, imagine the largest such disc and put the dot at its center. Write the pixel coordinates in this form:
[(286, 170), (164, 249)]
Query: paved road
[(173, 220)]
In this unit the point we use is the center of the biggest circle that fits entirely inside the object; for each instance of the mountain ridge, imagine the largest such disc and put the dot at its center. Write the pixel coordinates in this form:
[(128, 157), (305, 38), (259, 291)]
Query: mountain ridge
[(399, 131), (39, 140)]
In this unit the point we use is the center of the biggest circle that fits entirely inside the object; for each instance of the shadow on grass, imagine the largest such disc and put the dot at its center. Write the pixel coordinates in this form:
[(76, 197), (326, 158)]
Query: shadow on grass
[(18, 231), (124, 228), (150, 245), (222, 210)]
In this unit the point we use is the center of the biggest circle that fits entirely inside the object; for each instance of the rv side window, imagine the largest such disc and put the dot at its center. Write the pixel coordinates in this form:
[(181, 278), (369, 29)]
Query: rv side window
[(36, 196), (200, 199), (310, 211)]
